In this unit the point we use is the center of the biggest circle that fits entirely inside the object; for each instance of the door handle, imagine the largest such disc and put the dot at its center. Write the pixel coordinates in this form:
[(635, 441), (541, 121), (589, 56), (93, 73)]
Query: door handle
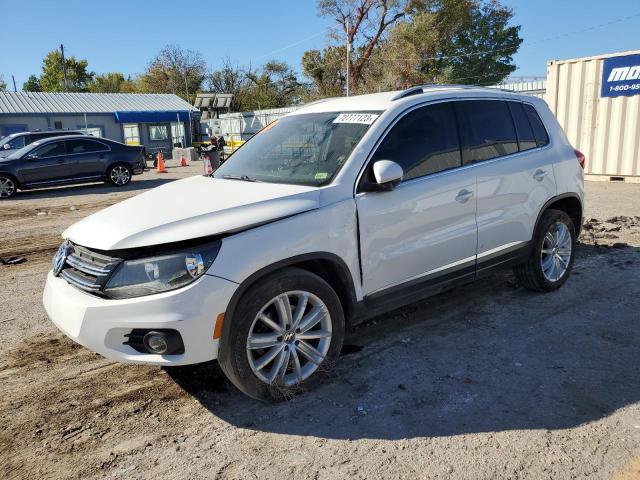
[(539, 175), (463, 196)]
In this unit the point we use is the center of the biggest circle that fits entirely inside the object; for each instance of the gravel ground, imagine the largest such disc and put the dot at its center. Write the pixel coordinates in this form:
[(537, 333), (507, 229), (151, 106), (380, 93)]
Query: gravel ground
[(487, 381)]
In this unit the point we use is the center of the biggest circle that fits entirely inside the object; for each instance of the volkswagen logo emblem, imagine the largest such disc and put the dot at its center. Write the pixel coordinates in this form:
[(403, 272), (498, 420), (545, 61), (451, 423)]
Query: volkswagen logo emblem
[(60, 258)]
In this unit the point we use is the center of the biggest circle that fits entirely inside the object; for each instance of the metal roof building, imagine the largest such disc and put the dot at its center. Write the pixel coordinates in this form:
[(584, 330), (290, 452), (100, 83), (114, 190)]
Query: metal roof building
[(157, 121)]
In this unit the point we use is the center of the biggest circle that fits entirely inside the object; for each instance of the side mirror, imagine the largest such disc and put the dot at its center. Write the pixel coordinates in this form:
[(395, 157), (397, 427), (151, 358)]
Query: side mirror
[(6, 146), (388, 174), (31, 156)]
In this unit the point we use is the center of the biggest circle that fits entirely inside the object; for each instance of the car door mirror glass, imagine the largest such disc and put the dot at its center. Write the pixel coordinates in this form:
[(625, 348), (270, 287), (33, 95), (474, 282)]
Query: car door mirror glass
[(387, 174)]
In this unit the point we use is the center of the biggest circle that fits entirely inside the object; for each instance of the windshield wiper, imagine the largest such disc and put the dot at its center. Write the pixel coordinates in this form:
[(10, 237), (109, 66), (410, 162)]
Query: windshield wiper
[(245, 178)]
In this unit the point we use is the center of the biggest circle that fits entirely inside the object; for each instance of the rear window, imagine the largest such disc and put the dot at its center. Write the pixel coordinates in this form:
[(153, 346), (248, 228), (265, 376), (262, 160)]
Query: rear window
[(489, 130), (539, 132)]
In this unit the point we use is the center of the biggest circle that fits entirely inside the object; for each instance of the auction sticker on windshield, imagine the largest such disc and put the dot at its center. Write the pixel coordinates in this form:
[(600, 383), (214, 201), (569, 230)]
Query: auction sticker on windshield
[(363, 118)]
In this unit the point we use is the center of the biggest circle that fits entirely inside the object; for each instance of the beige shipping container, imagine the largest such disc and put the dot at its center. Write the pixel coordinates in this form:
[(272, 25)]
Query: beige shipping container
[(605, 129)]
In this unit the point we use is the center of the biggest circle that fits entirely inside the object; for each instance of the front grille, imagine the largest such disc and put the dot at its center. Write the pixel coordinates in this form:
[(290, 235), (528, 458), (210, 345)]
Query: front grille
[(88, 270)]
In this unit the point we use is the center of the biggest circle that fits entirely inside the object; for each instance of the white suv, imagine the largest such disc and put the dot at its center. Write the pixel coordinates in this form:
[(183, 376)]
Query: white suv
[(342, 210)]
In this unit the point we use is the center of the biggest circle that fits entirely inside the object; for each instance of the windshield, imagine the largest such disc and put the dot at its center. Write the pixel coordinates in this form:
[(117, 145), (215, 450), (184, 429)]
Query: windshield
[(307, 149)]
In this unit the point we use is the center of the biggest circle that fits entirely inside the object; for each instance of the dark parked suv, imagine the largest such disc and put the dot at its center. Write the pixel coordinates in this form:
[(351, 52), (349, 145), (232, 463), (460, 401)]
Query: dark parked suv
[(69, 159), (16, 141)]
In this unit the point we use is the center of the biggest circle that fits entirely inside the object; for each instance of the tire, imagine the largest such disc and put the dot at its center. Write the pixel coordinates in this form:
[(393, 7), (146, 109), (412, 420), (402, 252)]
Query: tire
[(548, 269), (8, 186), (119, 174), (290, 370)]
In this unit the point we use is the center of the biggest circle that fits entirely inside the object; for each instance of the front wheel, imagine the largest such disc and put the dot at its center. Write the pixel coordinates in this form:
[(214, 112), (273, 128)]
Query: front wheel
[(287, 332), (119, 175), (551, 260), (8, 186)]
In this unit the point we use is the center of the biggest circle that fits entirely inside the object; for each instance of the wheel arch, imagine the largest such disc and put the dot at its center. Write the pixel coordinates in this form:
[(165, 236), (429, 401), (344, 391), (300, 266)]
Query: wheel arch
[(328, 266), (569, 203), (12, 176)]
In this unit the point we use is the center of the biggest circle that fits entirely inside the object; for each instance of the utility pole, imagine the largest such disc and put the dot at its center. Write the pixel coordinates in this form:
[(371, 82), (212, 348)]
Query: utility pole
[(186, 86), (348, 56), (64, 69), (14, 83)]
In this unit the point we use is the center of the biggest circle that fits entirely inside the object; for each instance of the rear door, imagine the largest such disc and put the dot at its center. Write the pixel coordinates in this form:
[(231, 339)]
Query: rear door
[(425, 229), (514, 176), (45, 164), (87, 158)]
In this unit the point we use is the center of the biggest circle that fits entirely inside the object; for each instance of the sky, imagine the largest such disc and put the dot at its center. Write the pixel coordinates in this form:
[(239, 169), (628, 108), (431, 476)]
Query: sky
[(124, 35)]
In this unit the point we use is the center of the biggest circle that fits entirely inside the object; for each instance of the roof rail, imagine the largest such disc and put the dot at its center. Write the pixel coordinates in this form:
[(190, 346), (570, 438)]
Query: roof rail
[(418, 89)]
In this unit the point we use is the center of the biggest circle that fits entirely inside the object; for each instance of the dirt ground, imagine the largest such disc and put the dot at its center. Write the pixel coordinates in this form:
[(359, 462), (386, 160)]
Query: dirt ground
[(486, 382)]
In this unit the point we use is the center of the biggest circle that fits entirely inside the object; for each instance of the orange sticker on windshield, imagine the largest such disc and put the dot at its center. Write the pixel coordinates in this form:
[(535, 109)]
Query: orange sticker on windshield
[(268, 127)]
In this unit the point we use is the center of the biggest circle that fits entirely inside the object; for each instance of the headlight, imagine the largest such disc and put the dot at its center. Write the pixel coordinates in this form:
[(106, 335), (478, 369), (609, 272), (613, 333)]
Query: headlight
[(146, 276)]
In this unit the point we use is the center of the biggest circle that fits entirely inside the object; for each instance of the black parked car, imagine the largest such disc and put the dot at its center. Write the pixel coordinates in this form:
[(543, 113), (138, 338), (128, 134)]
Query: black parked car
[(69, 159)]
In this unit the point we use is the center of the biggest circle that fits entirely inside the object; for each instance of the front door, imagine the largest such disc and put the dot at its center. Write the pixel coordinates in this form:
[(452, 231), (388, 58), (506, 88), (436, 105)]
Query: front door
[(424, 229), (46, 164)]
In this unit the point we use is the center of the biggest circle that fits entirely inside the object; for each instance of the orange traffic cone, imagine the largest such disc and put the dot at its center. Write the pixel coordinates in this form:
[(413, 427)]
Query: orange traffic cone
[(208, 169), (183, 161), (161, 168)]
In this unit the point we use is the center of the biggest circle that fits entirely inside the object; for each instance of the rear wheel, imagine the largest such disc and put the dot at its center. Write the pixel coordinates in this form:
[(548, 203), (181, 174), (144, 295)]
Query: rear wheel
[(119, 175), (287, 332), (551, 260), (8, 186)]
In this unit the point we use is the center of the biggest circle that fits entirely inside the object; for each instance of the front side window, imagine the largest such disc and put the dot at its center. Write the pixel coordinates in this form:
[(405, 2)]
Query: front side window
[(14, 143), (305, 149), (423, 142), (488, 130), (50, 150), (158, 133), (84, 146)]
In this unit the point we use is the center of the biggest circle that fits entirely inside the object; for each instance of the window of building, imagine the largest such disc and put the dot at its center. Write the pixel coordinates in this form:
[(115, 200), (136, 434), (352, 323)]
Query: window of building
[(95, 131), (423, 142), (85, 146), (526, 140), (542, 138), (50, 150), (158, 133), (488, 130), (57, 125), (131, 133), (177, 133)]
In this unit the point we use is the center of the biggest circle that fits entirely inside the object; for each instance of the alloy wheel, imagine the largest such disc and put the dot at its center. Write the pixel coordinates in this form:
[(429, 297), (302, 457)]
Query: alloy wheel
[(7, 187), (120, 175), (289, 338), (556, 252)]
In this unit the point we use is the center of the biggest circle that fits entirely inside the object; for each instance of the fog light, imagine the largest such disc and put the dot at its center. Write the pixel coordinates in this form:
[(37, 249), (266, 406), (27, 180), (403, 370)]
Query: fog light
[(156, 342)]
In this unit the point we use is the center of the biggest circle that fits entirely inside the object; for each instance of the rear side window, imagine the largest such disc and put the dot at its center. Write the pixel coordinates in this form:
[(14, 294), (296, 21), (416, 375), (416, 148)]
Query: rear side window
[(50, 150), (423, 142), (540, 133), (488, 129), (526, 139), (84, 146)]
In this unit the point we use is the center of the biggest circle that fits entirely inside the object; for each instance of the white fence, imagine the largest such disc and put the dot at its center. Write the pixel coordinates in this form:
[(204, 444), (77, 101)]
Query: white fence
[(243, 125)]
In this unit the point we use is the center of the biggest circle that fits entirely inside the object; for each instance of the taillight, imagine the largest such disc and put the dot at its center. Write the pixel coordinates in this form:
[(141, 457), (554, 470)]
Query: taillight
[(581, 158)]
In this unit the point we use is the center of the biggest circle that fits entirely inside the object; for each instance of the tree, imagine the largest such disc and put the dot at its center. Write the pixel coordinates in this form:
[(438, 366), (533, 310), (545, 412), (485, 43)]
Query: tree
[(32, 84), (364, 24), (327, 71), (174, 70), (231, 79), (52, 78), (3, 84), (113, 82)]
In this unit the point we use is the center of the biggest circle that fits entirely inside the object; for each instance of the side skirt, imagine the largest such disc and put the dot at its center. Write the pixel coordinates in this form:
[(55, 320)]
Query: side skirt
[(425, 287)]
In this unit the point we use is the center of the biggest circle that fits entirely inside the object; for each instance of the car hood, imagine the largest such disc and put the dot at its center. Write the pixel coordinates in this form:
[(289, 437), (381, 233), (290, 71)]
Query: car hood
[(191, 208)]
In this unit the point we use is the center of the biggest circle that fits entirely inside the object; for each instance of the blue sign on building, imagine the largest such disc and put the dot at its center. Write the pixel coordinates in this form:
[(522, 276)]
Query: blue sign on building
[(621, 76)]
